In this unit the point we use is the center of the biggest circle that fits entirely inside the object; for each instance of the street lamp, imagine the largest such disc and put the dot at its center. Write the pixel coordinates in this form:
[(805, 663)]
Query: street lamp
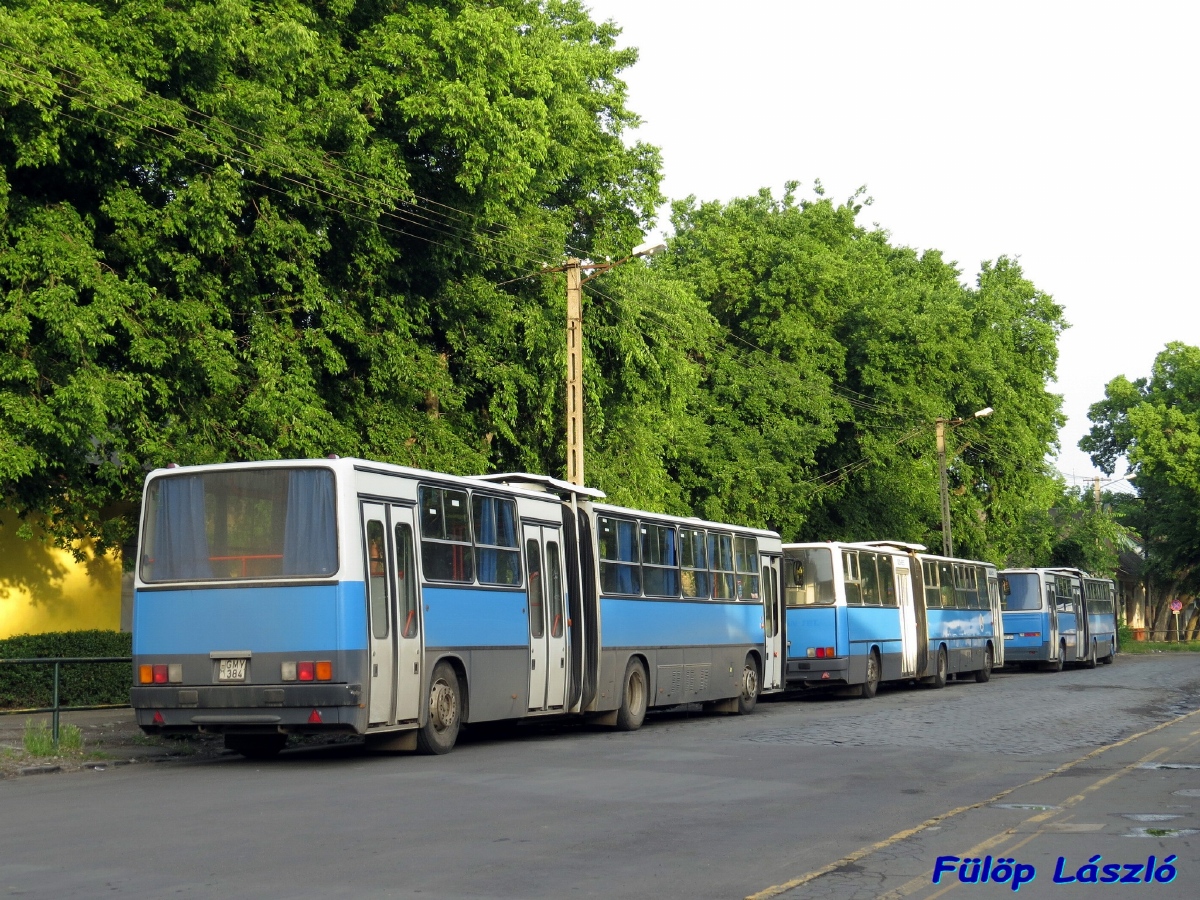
[(947, 539), (575, 281)]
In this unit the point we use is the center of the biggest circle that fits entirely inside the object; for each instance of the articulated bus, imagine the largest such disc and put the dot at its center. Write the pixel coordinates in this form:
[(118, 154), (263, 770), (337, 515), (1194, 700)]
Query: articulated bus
[(1058, 616), (341, 595), (864, 613)]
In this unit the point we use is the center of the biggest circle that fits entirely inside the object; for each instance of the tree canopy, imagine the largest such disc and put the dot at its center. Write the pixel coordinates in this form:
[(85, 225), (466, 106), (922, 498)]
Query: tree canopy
[(1154, 424), (235, 230)]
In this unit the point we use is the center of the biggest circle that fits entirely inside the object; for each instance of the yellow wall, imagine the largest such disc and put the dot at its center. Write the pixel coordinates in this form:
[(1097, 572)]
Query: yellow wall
[(43, 589)]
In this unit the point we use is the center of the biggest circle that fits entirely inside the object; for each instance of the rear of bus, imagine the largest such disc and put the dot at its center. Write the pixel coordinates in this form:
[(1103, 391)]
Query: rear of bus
[(1026, 617), (818, 651), (249, 612)]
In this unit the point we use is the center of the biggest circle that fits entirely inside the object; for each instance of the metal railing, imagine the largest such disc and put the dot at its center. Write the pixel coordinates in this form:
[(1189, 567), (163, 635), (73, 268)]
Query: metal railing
[(58, 662)]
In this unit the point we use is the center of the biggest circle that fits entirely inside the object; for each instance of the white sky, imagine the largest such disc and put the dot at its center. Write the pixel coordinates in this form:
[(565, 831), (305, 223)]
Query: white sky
[(1063, 134)]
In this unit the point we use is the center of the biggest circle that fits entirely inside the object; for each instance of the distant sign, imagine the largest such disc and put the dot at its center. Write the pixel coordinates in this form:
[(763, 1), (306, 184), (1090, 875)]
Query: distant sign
[(1176, 605)]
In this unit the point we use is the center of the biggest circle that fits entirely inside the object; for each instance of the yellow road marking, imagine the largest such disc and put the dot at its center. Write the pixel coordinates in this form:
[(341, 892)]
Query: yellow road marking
[(792, 884)]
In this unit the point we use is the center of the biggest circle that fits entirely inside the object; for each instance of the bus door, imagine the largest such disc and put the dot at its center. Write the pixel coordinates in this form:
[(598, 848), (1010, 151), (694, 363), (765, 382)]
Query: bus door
[(380, 609), (545, 596), (916, 593), (1083, 646), (1052, 619), (772, 625), (908, 618), (997, 621), (410, 650)]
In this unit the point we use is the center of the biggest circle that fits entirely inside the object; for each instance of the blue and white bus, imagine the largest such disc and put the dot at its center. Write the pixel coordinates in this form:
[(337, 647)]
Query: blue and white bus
[(1046, 622), (1097, 619), (342, 595), (864, 613)]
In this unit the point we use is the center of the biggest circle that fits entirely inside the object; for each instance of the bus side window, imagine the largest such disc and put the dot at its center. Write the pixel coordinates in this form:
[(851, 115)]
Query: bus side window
[(933, 594), (949, 593), (537, 613), (660, 567), (869, 579), (746, 562), (887, 582), (720, 558), (851, 575), (447, 553), (620, 569), (694, 560)]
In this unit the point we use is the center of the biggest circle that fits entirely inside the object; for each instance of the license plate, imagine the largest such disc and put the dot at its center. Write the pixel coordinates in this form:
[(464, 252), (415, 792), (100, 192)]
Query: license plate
[(231, 670)]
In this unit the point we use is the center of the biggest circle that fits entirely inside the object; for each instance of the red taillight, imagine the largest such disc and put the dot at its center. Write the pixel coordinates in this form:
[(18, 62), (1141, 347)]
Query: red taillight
[(820, 653), (305, 671), (314, 718), (1031, 634), (160, 674), (325, 671)]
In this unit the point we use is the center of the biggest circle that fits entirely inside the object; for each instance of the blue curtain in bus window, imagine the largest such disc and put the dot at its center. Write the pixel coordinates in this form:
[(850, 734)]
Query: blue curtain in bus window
[(310, 529), (485, 533), (181, 542)]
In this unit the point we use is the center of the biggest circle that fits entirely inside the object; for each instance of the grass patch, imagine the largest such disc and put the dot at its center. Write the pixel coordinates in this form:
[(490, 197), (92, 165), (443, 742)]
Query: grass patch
[(39, 739), (1161, 647)]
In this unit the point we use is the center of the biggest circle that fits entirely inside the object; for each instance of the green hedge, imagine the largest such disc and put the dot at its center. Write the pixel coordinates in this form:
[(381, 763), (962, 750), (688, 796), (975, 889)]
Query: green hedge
[(32, 687)]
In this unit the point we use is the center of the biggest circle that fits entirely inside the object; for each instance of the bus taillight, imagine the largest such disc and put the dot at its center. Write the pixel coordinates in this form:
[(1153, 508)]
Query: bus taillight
[(305, 671), (325, 670), (160, 674), (146, 674)]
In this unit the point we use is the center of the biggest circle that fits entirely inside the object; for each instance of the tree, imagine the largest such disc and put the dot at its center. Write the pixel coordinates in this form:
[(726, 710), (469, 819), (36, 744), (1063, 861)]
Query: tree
[(1154, 423), (215, 242), (836, 352)]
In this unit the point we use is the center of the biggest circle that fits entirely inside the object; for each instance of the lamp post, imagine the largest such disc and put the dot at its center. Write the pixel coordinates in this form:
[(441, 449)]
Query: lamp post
[(947, 538), (575, 281)]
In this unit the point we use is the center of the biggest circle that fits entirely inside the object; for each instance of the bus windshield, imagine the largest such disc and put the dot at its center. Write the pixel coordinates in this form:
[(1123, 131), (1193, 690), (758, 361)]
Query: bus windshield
[(1021, 592), (240, 524), (808, 576)]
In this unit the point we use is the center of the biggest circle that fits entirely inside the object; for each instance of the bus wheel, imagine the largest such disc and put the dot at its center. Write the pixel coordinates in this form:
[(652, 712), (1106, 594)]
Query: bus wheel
[(445, 712), (985, 674), (1056, 665), (1091, 660), (871, 685), (633, 697), (1112, 653), (256, 746), (748, 698), (939, 678)]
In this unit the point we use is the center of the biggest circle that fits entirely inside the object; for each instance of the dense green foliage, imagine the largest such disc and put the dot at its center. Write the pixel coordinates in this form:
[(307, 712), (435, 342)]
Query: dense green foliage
[(1154, 423), (32, 686), (213, 245), (240, 230), (836, 353)]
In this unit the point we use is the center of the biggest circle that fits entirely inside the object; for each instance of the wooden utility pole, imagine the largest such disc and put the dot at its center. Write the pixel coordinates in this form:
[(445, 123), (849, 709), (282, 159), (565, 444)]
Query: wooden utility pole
[(574, 372), (947, 540), (1096, 491)]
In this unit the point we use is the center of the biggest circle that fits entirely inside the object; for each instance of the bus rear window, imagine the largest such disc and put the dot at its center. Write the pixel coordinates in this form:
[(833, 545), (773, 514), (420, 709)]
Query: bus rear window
[(808, 576), (242, 524), (1021, 592)]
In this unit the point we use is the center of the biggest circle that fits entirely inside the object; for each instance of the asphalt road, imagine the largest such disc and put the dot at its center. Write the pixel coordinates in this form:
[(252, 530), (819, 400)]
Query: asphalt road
[(808, 797)]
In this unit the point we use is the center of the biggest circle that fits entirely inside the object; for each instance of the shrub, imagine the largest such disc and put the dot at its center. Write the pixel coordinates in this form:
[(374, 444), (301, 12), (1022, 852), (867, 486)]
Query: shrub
[(32, 687)]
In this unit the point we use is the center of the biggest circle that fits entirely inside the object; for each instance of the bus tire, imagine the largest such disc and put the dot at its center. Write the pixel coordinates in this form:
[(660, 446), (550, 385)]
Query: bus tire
[(748, 697), (440, 731), (1090, 662), (985, 674), (938, 679), (634, 696), (871, 685), (1112, 653), (256, 746)]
